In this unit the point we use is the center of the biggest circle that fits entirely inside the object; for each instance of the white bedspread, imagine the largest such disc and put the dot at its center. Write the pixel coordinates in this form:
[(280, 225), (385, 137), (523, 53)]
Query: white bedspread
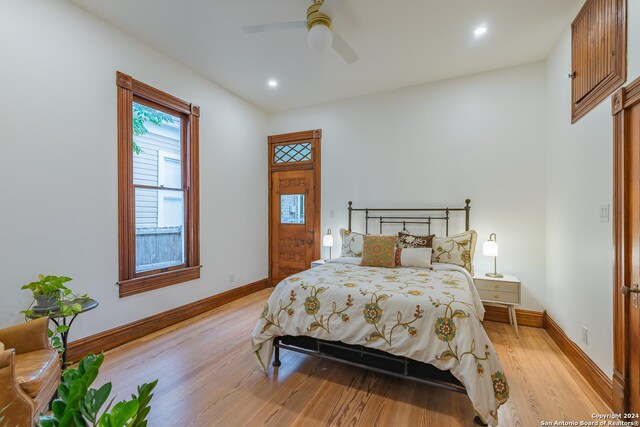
[(431, 316)]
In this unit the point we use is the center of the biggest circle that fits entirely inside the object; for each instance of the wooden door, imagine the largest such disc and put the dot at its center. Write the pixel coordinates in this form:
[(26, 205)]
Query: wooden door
[(292, 222), (294, 203), (626, 236)]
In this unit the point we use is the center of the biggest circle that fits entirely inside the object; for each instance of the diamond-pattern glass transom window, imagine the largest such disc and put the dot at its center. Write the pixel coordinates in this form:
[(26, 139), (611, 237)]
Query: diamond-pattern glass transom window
[(292, 153)]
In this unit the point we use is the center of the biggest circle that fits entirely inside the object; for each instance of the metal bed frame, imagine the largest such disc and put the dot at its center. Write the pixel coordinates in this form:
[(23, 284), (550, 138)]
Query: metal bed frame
[(372, 359)]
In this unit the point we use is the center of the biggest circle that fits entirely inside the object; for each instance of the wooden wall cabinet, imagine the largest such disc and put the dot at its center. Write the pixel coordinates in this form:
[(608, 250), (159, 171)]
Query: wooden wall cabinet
[(598, 53)]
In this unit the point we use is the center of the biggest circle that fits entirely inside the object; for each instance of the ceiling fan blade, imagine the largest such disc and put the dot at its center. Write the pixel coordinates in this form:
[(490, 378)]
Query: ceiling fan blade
[(342, 47), (277, 26)]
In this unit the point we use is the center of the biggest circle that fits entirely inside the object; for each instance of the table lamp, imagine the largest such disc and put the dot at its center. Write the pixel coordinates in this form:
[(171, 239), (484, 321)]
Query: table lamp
[(490, 248), (327, 241)]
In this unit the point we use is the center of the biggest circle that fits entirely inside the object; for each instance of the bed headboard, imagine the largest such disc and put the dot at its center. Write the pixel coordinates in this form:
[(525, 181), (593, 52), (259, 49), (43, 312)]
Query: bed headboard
[(406, 216)]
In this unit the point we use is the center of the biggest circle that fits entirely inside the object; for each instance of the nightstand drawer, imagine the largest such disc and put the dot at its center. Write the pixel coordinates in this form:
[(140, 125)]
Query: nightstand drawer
[(492, 285), (500, 296)]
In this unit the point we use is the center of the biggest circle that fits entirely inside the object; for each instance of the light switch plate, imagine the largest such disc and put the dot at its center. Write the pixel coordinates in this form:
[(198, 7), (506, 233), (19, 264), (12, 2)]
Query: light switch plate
[(585, 335), (604, 213)]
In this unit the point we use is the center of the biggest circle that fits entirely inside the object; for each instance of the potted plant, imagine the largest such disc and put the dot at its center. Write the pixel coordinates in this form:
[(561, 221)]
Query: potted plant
[(47, 290), (79, 405), (52, 297)]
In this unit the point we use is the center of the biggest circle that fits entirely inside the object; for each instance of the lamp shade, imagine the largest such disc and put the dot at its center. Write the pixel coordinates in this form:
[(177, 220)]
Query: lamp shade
[(319, 38), (490, 248), (327, 240)]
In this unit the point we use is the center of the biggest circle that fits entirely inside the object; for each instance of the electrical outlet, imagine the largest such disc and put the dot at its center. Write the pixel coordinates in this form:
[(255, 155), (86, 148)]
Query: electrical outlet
[(585, 335), (232, 278), (604, 213)]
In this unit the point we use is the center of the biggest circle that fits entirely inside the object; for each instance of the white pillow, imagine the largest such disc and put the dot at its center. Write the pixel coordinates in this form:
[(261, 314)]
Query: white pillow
[(413, 257), (352, 243), (1, 346), (458, 249)]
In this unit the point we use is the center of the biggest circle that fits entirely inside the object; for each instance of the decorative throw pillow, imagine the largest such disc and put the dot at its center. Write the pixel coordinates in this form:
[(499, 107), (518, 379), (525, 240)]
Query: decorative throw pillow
[(407, 240), (379, 251), (458, 249), (413, 257), (352, 243)]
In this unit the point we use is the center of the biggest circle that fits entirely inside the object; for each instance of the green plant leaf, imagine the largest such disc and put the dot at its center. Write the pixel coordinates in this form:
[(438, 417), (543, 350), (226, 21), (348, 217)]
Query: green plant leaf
[(63, 392), (58, 408), (79, 419), (120, 414), (94, 400), (144, 398)]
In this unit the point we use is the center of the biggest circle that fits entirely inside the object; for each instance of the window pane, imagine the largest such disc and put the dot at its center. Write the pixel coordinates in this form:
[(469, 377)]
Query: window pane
[(292, 153), (292, 209), (157, 148), (159, 229)]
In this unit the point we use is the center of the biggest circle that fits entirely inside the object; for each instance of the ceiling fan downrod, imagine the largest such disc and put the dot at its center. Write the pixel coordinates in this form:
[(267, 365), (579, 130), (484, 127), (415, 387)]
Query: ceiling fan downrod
[(315, 17)]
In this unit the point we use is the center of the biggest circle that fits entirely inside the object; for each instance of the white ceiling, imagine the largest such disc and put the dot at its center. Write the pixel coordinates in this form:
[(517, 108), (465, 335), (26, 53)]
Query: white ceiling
[(400, 42)]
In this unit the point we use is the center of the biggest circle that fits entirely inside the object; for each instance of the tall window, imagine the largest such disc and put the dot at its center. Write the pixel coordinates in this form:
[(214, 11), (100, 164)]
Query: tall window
[(157, 188)]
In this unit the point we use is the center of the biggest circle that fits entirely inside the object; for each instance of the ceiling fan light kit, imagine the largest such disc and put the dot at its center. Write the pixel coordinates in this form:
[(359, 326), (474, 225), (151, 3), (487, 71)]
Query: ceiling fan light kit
[(319, 26)]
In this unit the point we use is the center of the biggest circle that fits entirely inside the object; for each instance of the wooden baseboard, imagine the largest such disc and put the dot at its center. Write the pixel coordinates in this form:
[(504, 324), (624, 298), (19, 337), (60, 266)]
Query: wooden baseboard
[(532, 318), (123, 334), (600, 382)]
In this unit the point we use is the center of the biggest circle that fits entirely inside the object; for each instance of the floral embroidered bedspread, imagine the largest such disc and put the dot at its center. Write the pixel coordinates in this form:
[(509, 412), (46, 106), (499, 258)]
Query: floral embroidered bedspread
[(432, 316)]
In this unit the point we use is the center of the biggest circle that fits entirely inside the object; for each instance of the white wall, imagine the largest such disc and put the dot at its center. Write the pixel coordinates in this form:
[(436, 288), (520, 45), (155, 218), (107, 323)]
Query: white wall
[(480, 137), (579, 174), (503, 139), (58, 174)]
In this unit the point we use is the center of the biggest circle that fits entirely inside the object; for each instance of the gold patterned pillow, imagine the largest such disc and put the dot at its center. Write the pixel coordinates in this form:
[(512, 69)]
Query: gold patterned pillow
[(457, 249), (408, 240), (352, 243), (379, 251)]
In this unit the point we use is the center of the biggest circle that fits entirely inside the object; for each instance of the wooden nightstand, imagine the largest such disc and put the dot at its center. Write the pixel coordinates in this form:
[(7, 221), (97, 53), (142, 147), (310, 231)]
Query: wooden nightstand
[(317, 263), (501, 291)]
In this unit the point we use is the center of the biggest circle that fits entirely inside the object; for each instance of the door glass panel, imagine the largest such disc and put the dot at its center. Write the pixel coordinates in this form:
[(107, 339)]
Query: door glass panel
[(292, 209)]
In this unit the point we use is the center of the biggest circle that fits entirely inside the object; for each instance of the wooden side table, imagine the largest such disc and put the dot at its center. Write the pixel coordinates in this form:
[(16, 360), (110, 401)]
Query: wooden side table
[(87, 304), (501, 291)]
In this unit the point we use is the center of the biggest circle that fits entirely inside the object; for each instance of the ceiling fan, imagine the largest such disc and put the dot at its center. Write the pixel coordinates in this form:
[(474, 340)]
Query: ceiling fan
[(321, 34)]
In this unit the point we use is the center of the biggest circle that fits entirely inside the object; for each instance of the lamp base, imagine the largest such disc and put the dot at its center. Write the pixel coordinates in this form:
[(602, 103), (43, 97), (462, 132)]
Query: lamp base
[(498, 275)]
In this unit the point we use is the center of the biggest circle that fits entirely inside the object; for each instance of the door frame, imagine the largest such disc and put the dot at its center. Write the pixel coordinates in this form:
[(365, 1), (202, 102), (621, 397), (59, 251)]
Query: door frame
[(315, 138), (621, 101)]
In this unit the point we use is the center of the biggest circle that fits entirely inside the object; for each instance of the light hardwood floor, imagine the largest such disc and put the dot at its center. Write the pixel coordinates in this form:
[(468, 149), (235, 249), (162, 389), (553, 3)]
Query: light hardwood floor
[(208, 376)]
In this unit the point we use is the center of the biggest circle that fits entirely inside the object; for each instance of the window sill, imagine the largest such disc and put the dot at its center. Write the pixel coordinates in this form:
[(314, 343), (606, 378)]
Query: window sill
[(156, 281)]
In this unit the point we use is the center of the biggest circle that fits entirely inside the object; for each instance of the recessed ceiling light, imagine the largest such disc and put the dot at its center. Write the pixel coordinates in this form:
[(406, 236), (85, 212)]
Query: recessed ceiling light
[(480, 31), (272, 83)]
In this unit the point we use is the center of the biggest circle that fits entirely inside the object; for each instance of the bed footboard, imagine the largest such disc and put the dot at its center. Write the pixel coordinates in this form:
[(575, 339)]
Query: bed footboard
[(368, 358)]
